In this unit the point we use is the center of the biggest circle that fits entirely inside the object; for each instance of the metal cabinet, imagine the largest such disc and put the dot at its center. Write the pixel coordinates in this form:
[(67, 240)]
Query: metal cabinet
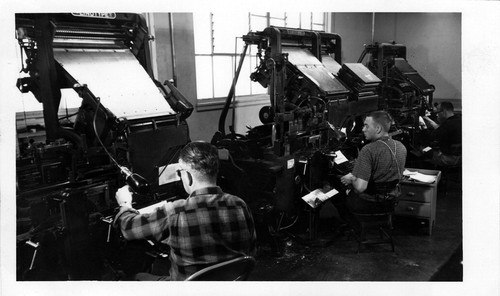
[(418, 199)]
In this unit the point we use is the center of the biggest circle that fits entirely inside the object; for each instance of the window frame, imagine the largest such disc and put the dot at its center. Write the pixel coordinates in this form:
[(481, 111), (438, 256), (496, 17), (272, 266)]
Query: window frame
[(207, 103)]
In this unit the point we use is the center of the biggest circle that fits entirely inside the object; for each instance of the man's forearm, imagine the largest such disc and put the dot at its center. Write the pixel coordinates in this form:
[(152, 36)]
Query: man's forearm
[(431, 122), (359, 185), (142, 226), (124, 220)]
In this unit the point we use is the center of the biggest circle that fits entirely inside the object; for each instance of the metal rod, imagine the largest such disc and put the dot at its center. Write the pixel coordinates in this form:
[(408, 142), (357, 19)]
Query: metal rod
[(234, 93), (373, 27), (172, 47), (222, 119)]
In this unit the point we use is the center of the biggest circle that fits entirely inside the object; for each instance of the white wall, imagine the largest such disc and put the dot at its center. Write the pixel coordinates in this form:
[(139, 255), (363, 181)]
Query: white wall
[(433, 46)]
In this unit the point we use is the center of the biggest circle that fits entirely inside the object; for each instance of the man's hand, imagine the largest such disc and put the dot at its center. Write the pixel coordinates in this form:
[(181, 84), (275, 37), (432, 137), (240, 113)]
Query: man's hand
[(347, 179), (431, 122), (124, 197)]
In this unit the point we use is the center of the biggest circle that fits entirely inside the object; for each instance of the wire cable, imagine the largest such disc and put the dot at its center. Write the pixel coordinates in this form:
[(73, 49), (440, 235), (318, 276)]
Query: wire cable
[(68, 115), (170, 160), (97, 135)]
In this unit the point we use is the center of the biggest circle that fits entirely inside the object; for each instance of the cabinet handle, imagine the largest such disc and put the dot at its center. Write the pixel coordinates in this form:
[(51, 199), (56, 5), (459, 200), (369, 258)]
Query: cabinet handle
[(410, 193), (410, 209)]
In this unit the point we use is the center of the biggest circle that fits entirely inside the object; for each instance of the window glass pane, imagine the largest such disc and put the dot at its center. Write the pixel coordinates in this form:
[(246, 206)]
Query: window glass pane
[(318, 27), (223, 75), (257, 88), (226, 28), (258, 23), (69, 99), (202, 33), (293, 20), (277, 22), (27, 103), (277, 15), (306, 20), (243, 85), (318, 17), (203, 77)]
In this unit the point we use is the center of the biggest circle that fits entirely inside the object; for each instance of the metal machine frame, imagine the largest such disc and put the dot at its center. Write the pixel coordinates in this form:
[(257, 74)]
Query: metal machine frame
[(404, 92), (292, 153), (65, 184)]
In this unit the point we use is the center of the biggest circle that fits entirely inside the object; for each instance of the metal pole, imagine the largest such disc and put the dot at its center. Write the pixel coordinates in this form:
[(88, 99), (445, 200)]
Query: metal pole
[(222, 119), (172, 48), (373, 27)]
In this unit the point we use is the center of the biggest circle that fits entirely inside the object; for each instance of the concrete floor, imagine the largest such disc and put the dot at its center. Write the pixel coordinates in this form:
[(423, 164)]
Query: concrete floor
[(417, 256)]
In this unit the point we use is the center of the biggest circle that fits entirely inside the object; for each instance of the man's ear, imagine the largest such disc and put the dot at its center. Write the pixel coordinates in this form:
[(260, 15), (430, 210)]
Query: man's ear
[(190, 178), (378, 128)]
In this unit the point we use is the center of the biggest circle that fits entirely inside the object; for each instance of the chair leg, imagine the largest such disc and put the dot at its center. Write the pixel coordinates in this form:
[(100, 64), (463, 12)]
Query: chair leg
[(381, 226), (388, 237), (361, 237)]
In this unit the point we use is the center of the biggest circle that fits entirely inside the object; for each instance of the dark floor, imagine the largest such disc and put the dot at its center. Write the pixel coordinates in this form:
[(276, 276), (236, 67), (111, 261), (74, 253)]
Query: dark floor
[(417, 256), (332, 257)]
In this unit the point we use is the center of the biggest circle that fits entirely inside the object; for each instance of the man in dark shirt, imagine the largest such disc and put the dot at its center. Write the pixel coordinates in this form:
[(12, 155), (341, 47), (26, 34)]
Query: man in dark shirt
[(208, 227), (378, 168), (447, 136)]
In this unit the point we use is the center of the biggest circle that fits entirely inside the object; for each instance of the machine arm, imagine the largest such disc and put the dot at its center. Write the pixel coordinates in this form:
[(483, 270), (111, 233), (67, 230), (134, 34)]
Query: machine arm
[(222, 118), (175, 99)]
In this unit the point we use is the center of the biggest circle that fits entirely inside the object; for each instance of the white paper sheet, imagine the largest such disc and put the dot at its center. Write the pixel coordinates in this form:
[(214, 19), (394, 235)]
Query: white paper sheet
[(340, 157), (317, 197), (417, 176), (168, 174), (151, 208)]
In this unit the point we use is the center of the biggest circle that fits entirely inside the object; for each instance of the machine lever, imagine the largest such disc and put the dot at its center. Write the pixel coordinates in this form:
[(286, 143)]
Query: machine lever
[(34, 245), (108, 220)]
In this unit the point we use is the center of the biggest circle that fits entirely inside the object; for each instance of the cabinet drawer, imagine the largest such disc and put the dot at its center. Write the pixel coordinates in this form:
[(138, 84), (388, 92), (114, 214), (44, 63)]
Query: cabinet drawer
[(408, 208), (417, 193)]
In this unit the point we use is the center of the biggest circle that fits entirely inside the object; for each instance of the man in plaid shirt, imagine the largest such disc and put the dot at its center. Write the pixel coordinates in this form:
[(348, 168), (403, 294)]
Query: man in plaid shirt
[(208, 227)]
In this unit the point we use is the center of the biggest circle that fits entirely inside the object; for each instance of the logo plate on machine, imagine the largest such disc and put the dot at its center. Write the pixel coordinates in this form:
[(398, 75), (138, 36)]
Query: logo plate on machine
[(104, 15)]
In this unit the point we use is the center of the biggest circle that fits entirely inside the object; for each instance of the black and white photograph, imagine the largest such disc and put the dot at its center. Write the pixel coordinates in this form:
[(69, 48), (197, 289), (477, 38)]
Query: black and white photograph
[(291, 148)]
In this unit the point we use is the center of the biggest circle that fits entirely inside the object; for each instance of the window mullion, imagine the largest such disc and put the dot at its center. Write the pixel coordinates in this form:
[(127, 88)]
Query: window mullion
[(212, 47)]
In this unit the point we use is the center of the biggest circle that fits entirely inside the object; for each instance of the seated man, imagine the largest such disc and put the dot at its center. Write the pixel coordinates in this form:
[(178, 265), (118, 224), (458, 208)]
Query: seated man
[(377, 170), (447, 135), (208, 227)]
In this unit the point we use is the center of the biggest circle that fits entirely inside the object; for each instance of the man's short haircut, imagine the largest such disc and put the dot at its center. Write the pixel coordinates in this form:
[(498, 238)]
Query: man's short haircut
[(446, 106), (383, 118), (202, 157)]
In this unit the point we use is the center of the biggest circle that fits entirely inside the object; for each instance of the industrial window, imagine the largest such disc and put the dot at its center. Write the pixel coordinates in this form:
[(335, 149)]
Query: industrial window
[(218, 45)]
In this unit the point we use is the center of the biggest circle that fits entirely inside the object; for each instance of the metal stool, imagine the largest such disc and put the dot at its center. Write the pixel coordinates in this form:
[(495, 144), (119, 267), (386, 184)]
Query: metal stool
[(379, 221)]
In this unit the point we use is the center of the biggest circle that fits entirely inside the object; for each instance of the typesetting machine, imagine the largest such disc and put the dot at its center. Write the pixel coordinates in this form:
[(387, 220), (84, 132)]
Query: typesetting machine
[(405, 94), (315, 118), (128, 128)]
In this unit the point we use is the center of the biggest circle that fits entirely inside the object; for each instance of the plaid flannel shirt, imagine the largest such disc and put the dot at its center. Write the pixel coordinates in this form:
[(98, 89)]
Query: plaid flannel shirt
[(208, 227)]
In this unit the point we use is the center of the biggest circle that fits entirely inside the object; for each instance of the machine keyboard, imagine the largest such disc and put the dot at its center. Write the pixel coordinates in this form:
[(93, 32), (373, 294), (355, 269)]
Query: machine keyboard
[(345, 167)]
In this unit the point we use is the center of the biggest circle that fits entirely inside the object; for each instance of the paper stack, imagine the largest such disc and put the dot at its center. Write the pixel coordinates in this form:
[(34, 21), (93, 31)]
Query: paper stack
[(417, 176)]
